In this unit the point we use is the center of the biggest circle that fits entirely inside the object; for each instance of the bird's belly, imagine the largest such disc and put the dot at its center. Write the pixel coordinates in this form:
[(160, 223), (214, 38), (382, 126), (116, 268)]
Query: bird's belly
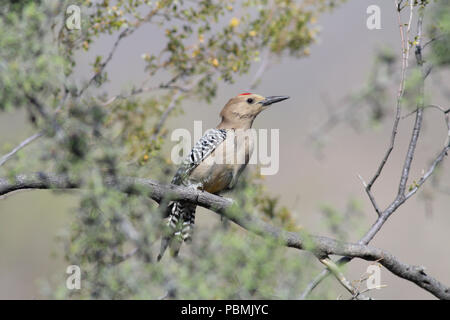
[(220, 180), (212, 178), (222, 167)]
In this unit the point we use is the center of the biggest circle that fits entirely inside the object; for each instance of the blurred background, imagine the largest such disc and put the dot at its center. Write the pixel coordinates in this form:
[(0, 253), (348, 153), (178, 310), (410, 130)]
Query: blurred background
[(311, 175)]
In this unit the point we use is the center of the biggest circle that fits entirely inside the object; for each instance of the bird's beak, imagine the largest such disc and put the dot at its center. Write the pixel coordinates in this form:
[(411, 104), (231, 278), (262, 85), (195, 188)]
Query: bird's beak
[(273, 99)]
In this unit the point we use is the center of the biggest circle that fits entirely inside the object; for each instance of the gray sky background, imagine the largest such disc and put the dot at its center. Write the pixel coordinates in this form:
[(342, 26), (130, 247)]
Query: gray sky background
[(339, 64)]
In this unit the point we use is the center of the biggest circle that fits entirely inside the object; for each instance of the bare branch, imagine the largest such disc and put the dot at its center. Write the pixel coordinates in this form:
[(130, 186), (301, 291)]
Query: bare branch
[(428, 106), (429, 172), (103, 65), (35, 136), (165, 115), (410, 153), (401, 89), (170, 107), (321, 246), (334, 269), (401, 197), (143, 89), (371, 197), (432, 40), (50, 118), (265, 63), (126, 32), (23, 144)]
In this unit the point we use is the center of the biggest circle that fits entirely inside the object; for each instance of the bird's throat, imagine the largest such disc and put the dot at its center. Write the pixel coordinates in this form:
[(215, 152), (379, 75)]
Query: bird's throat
[(242, 123)]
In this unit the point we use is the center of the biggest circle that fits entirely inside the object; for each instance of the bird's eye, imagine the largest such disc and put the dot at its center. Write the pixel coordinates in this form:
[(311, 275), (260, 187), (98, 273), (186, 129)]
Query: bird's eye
[(250, 100)]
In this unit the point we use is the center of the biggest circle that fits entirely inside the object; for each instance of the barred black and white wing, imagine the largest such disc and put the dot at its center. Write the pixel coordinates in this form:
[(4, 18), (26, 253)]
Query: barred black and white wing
[(202, 149), (181, 214)]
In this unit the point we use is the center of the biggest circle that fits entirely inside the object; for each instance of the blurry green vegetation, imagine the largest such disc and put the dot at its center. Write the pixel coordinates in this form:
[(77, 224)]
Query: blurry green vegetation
[(343, 224), (439, 32), (212, 42)]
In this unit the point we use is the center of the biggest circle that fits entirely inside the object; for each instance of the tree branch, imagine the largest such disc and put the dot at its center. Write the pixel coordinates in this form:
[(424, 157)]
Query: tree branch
[(126, 32), (334, 269), (322, 247), (401, 90), (400, 197), (103, 65), (23, 144)]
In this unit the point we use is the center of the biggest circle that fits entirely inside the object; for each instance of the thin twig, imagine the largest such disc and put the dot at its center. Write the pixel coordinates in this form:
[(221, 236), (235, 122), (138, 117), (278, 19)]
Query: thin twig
[(428, 106), (165, 115), (334, 269), (371, 197), (401, 89), (126, 32), (431, 40), (142, 89), (265, 63), (169, 109), (35, 136), (50, 118), (24, 143), (103, 65)]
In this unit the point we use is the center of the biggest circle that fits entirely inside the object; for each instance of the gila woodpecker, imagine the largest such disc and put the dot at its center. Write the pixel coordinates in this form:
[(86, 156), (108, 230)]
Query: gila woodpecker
[(214, 163)]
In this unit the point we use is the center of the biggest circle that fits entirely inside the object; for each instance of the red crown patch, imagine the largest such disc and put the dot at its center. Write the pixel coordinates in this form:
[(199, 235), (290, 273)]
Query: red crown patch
[(245, 94)]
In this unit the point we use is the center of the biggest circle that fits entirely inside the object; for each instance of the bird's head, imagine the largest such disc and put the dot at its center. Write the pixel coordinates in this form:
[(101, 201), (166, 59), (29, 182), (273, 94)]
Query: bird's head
[(241, 110)]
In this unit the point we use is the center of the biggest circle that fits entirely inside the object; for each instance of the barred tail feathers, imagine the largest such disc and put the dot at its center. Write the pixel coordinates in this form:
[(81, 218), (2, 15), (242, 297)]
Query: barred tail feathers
[(180, 223)]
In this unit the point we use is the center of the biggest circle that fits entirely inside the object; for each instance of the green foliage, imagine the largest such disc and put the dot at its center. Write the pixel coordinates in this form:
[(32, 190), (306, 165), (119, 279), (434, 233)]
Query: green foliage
[(342, 224), (30, 62), (413, 93), (439, 31), (114, 237), (210, 39)]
